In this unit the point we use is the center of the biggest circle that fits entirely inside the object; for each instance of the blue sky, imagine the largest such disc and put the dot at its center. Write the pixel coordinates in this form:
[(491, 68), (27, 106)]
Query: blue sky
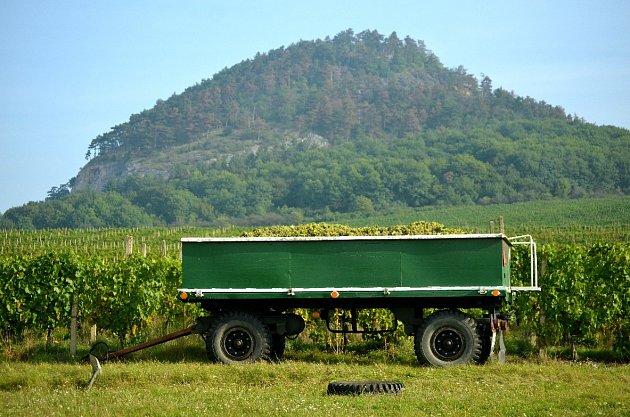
[(70, 70)]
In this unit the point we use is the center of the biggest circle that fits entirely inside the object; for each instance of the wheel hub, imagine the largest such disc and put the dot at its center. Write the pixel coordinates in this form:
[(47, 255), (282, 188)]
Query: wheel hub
[(448, 344), (238, 344)]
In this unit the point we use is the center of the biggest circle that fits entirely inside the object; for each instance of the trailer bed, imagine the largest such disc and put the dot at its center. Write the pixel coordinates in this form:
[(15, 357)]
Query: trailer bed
[(345, 267)]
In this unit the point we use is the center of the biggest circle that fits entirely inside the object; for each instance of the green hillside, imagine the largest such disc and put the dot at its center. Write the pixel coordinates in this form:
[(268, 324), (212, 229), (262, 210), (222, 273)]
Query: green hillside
[(357, 125)]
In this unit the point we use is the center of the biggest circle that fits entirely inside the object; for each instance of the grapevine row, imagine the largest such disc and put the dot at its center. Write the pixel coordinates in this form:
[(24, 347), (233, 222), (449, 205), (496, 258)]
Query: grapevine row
[(37, 293), (108, 242), (585, 297)]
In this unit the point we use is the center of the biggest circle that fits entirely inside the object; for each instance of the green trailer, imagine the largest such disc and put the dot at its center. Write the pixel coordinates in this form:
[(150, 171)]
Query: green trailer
[(252, 286)]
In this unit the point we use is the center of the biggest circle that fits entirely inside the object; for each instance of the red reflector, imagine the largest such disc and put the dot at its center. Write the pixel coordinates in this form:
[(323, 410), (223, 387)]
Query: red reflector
[(334, 294), (183, 296), (496, 293)]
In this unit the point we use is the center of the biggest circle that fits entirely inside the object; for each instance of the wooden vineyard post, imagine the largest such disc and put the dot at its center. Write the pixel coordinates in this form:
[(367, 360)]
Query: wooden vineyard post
[(164, 249), (74, 312), (128, 246), (541, 342)]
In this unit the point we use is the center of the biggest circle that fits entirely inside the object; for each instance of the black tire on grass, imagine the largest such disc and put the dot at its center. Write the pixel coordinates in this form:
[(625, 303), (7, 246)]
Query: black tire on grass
[(485, 337), (364, 387), (238, 337), (447, 338)]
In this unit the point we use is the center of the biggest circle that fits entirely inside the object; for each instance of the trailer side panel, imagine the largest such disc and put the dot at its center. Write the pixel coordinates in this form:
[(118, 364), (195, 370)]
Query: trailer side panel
[(360, 267)]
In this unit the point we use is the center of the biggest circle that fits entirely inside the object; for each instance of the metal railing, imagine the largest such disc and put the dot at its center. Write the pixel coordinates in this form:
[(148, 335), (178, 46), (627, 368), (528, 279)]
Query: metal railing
[(533, 261)]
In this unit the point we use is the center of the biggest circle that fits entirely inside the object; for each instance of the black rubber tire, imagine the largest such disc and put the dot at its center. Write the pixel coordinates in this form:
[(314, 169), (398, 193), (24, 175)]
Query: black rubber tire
[(207, 337), (238, 337), (447, 338), (485, 337), (278, 345), (364, 387)]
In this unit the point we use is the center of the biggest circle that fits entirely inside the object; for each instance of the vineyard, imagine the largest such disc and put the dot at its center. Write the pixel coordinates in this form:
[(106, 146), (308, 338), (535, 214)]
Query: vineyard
[(579, 221), (585, 297), (165, 241), (124, 281), (108, 243), (582, 221)]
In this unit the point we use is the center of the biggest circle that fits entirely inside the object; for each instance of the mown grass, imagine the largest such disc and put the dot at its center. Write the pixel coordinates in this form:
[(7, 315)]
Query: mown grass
[(149, 388), (177, 380)]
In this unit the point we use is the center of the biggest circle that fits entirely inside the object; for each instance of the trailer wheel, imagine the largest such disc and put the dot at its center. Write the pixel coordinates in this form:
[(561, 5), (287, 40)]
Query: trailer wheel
[(238, 337), (278, 344), (207, 337), (447, 338), (485, 338)]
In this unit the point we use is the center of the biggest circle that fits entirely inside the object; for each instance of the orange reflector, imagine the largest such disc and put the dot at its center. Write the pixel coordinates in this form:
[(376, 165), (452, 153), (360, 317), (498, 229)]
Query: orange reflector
[(496, 293), (316, 314), (183, 296), (334, 294)]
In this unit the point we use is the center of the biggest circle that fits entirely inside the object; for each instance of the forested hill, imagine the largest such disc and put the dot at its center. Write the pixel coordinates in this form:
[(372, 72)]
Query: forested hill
[(341, 89), (357, 123)]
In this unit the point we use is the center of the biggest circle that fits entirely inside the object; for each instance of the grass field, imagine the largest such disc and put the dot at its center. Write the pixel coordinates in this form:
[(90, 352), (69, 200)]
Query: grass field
[(178, 381), (297, 388)]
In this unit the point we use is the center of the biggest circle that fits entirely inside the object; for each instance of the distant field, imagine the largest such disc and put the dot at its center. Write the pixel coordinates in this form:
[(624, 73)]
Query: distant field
[(552, 221), (572, 221), (108, 242)]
